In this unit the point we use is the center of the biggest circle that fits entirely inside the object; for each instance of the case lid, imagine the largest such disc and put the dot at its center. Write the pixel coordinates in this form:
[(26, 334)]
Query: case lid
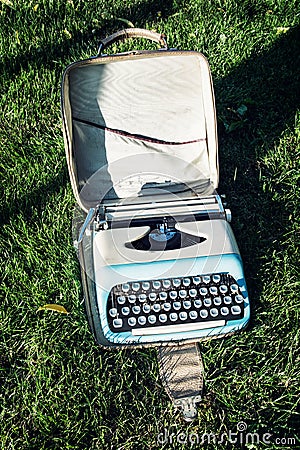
[(138, 122)]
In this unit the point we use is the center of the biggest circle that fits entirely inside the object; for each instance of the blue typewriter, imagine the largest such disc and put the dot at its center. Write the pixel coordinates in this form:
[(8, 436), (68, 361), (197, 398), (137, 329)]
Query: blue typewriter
[(159, 261)]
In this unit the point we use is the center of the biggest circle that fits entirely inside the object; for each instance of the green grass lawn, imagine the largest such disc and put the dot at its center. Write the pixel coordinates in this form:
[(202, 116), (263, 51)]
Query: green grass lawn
[(58, 390)]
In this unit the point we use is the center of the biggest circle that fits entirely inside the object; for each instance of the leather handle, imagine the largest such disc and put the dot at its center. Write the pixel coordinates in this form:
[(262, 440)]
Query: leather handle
[(128, 33)]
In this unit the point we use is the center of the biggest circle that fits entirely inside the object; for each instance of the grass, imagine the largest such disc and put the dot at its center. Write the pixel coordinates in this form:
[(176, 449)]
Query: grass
[(58, 389)]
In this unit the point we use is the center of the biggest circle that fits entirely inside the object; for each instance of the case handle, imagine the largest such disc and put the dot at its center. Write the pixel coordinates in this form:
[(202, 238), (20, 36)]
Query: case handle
[(132, 33)]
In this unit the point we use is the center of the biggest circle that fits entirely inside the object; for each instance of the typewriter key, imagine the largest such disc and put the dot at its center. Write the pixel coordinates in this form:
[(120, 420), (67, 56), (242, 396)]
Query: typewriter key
[(117, 323), (135, 286), (152, 296), (186, 282), (136, 309), (173, 295), (125, 310), (223, 289), (213, 290), (166, 306), (176, 306), (227, 300), (236, 309), (142, 320), (182, 315), (163, 318), (176, 282), (156, 284), (125, 287), (142, 297), (196, 280), (217, 301), (146, 308), (173, 317), (145, 285), (132, 298), (203, 291), (113, 312), (216, 278), (121, 299), (214, 312), (197, 303), (234, 288), (207, 302), (166, 284), (206, 279), (152, 319), (182, 293), (239, 298), (156, 307), (193, 315), (224, 311), (163, 295), (187, 304), (192, 292), (132, 321), (203, 313)]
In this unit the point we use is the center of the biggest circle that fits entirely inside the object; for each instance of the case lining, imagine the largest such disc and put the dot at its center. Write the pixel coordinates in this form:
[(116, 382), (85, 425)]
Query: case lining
[(147, 108)]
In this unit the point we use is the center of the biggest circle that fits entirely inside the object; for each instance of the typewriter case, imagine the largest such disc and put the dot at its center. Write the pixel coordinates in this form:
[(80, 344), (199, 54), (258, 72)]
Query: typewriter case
[(140, 136)]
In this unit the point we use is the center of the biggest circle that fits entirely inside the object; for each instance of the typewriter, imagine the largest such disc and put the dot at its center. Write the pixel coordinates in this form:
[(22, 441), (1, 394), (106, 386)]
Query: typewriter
[(159, 261), (165, 271)]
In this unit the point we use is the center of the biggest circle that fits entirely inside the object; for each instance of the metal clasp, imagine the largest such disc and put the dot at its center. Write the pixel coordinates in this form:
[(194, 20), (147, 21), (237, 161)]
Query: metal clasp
[(187, 405)]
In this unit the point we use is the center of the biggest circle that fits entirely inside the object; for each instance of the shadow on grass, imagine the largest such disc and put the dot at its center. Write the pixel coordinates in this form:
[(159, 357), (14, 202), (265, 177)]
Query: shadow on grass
[(266, 91), (256, 104), (36, 199), (46, 55)]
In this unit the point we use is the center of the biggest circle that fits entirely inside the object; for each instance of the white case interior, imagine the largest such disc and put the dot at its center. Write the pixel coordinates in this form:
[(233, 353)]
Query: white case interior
[(136, 122)]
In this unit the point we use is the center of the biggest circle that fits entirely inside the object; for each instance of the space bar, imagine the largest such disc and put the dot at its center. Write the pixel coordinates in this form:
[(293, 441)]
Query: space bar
[(178, 328)]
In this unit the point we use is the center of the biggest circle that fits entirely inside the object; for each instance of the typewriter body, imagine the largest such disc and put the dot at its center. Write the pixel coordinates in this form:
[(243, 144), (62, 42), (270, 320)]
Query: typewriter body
[(159, 261)]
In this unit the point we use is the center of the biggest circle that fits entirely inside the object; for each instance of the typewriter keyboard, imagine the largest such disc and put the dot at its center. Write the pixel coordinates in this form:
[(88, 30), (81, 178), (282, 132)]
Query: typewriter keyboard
[(174, 304)]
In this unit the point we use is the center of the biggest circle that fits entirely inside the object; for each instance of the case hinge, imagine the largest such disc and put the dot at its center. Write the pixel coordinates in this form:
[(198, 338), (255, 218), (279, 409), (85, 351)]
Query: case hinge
[(101, 222), (88, 220)]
